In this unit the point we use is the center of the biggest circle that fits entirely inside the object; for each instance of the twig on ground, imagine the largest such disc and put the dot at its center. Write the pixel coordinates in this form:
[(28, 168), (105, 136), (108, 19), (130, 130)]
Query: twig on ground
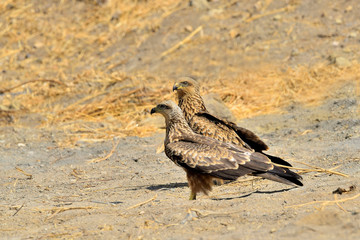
[(202, 214), (324, 203), (31, 81), (338, 204), (331, 169), (185, 40), (142, 203), (255, 17), (96, 160), (60, 210), (313, 169), (25, 173), (18, 210)]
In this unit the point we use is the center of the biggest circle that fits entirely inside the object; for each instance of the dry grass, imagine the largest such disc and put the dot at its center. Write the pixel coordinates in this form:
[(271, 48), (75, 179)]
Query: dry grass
[(53, 69), (267, 90), (327, 202)]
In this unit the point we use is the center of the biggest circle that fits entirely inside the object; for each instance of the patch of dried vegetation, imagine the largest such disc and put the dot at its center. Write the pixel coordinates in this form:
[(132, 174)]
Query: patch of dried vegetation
[(54, 67)]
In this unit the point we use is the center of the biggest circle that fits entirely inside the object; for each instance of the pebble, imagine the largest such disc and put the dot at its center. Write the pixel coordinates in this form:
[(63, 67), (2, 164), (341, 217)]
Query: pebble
[(294, 52), (188, 28), (217, 107), (353, 35), (342, 62), (335, 43), (347, 50), (338, 21), (234, 33), (231, 228), (116, 16), (349, 9), (277, 17), (200, 4)]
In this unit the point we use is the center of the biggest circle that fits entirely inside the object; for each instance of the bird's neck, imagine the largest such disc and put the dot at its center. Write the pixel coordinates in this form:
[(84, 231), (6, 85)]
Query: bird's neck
[(175, 128), (191, 104)]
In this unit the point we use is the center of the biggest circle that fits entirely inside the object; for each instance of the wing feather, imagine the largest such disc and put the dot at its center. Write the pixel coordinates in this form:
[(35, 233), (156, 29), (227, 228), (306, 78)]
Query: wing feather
[(217, 159), (207, 124)]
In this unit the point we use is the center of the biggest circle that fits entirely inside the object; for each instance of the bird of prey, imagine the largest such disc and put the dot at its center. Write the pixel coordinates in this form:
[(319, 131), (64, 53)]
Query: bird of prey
[(204, 123), (204, 158)]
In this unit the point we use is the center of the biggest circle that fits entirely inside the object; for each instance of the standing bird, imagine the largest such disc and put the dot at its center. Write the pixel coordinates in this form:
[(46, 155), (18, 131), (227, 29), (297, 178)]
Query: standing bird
[(204, 158), (204, 123)]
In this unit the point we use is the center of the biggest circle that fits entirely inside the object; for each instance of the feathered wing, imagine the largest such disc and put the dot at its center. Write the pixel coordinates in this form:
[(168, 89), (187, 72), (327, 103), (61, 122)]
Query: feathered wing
[(224, 160), (220, 160), (209, 125), (246, 135)]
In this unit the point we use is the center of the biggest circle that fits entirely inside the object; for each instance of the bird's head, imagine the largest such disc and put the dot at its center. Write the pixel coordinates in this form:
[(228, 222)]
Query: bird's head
[(186, 85), (168, 109)]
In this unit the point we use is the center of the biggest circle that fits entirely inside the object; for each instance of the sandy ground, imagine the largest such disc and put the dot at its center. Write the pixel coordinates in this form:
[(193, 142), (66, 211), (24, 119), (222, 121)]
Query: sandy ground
[(123, 189), (137, 193)]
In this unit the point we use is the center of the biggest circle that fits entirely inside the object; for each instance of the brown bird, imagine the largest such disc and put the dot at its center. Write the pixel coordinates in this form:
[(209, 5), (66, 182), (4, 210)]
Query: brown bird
[(204, 123), (204, 158)]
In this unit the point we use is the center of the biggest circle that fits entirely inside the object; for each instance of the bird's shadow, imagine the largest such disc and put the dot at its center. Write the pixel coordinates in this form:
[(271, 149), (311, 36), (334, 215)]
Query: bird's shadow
[(157, 187), (255, 192), (166, 186), (160, 187)]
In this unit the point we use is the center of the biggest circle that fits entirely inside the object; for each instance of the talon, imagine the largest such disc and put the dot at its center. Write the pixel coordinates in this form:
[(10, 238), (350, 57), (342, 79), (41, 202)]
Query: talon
[(192, 196)]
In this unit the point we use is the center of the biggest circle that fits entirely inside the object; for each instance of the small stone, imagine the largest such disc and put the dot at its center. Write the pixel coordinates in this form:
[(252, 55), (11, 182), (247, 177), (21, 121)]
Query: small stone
[(258, 5), (199, 4), (102, 2), (218, 108), (335, 43), (348, 9), (234, 33), (353, 35), (215, 11), (338, 21), (277, 17), (38, 44), (294, 52), (231, 228), (342, 62), (9, 7), (188, 28), (347, 50), (116, 16), (264, 47)]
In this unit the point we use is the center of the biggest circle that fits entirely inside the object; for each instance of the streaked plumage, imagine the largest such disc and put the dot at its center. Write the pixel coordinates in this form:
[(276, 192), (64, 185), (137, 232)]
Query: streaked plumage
[(204, 123), (204, 158)]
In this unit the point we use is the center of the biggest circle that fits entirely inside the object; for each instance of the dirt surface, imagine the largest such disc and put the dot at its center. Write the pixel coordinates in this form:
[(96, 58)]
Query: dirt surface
[(137, 193), (123, 189)]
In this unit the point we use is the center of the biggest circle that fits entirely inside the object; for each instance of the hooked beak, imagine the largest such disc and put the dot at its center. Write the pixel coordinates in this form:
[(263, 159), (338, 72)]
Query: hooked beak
[(153, 110), (176, 86)]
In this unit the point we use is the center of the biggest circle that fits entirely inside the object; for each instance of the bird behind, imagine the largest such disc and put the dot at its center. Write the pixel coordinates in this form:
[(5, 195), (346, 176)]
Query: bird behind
[(204, 158), (204, 123)]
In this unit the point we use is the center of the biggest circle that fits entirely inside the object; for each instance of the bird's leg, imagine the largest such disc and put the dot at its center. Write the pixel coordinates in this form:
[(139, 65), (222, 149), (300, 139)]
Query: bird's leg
[(192, 196)]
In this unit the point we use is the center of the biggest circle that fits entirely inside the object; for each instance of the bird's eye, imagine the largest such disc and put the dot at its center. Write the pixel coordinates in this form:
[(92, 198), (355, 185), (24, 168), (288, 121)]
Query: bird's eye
[(185, 83), (163, 106)]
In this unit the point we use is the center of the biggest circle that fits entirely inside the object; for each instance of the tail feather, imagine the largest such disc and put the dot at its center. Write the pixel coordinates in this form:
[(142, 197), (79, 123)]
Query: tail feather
[(282, 175), (277, 160)]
